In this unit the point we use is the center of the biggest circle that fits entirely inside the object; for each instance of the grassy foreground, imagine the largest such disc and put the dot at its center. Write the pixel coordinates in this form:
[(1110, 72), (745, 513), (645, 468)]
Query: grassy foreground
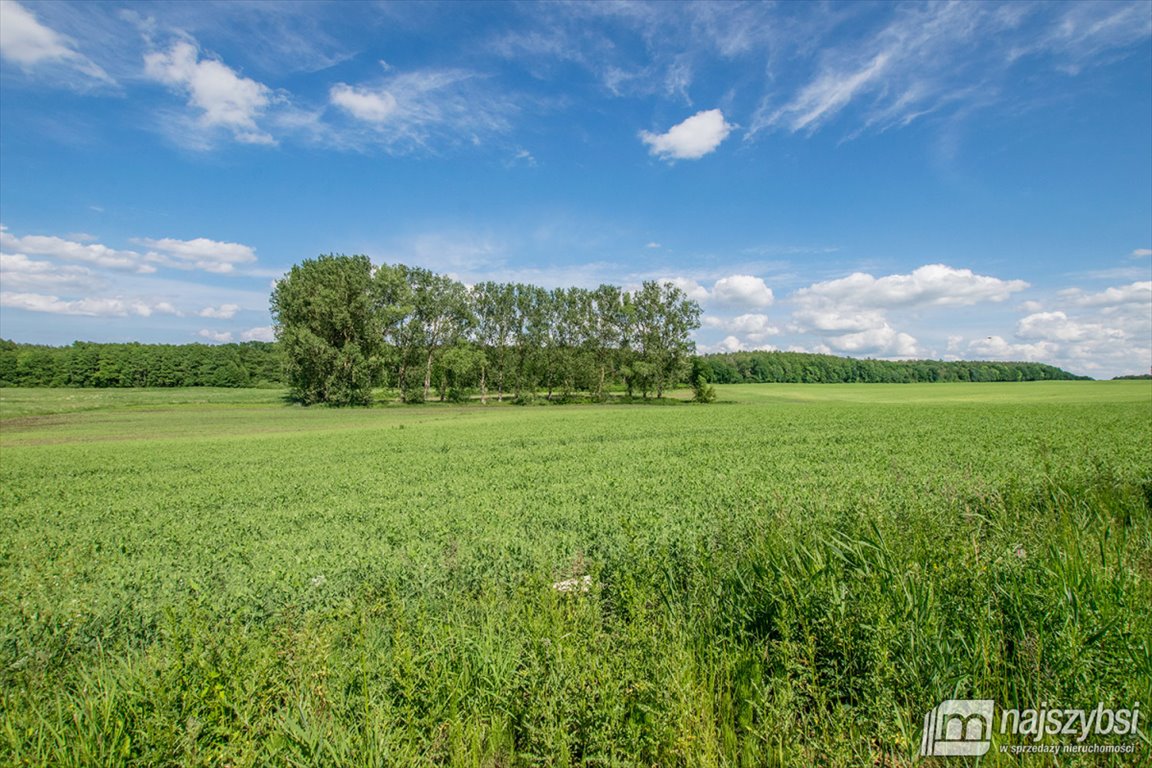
[(793, 576)]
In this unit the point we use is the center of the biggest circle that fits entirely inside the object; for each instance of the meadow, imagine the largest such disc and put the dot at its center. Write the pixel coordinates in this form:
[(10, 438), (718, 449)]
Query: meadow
[(791, 576)]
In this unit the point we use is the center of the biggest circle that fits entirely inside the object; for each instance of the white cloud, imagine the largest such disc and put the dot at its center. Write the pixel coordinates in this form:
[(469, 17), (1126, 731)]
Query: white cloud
[(826, 317), (755, 327), (741, 290), (220, 336), (653, 245), (224, 99), (26, 41), (828, 94), (1057, 326), (31, 45), (997, 348), (69, 250), (20, 273), (931, 58), (885, 341), (930, 285), (223, 312), (363, 104), (261, 333), (692, 289), (1136, 293), (692, 139), (1141, 253), (412, 110), (91, 307), (729, 344), (198, 253)]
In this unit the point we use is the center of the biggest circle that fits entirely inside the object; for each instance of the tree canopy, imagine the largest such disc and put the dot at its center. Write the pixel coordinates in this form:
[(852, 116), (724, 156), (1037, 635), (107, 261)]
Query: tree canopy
[(346, 327)]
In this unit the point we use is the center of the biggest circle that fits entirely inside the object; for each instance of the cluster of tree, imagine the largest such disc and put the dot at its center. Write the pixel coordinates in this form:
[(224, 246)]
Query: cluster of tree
[(84, 364), (1132, 376), (803, 368), (347, 327)]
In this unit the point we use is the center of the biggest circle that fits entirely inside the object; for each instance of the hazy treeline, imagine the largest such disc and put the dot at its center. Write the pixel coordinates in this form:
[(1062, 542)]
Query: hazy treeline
[(347, 327), (85, 364), (803, 368)]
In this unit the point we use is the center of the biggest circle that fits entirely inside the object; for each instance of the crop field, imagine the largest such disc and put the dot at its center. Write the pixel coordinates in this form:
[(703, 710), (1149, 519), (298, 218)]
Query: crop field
[(791, 576)]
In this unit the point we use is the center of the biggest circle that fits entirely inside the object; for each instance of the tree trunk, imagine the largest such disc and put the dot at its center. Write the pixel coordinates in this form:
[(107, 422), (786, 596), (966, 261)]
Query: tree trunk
[(483, 385), (428, 376)]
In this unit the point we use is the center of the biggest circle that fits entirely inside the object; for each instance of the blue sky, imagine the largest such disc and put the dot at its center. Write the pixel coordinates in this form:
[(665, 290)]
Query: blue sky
[(940, 180)]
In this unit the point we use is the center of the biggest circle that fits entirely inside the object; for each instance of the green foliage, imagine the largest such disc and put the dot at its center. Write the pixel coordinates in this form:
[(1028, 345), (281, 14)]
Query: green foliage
[(802, 368), (793, 577), (84, 364), (701, 378), (329, 327)]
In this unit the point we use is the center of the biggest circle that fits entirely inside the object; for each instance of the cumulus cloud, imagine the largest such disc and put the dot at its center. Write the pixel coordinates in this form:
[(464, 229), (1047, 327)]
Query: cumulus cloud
[(70, 250), (198, 253), (851, 314), (222, 337), (224, 99), (883, 341), (692, 289), (692, 139), (729, 344), (1101, 332), (1139, 293), (90, 307), (20, 273), (1057, 326), (831, 318), (32, 46), (997, 348), (741, 290), (930, 285), (222, 312), (260, 333), (752, 326)]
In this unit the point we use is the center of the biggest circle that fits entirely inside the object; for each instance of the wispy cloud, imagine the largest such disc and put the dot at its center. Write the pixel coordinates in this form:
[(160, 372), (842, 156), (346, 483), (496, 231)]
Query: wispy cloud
[(422, 109), (931, 57), (40, 50)]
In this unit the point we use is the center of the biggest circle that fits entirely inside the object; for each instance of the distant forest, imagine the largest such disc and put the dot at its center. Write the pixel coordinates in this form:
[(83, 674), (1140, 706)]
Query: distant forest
[(804, 368), (86, 364), (259, 363)]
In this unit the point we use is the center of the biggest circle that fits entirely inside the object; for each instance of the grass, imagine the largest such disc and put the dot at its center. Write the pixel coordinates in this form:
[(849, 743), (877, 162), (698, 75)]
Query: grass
[(793, 576)]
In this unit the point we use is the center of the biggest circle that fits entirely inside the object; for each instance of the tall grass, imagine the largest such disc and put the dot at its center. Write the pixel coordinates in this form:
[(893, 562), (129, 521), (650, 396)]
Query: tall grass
[(769, 584)]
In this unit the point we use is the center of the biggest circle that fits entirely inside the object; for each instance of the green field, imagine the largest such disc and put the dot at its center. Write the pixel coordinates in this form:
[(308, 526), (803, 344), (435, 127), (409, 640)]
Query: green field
[(792, 576)]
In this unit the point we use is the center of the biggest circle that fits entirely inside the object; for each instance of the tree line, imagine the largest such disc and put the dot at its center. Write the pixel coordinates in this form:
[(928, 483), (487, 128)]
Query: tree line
[(347, 327), (257, 363), (86, 364), (804, 368)]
